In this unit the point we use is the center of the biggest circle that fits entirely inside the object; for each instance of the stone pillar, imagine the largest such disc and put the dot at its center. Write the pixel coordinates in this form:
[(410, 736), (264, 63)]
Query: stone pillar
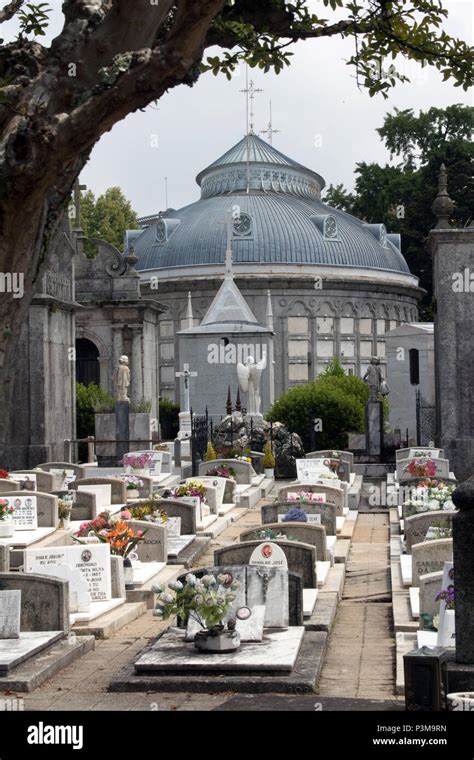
[(117, 351), (136, 369), (452, 251), (463, 543), (374, 429), (122, 416)]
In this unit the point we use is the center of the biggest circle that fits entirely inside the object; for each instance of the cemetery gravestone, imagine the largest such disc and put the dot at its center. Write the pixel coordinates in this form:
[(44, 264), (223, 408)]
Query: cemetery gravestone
[(10, 614), (79, 596), (429, 557), (309, 470), (335, 495), (313, 535), (44, 601), (300, 558), (154, 546), (243, 470), (91, 560), (324, 513), (430, 586), (416, 526)]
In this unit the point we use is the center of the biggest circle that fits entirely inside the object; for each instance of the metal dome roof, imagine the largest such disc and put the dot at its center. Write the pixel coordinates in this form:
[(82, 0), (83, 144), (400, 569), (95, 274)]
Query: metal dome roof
[(285, 222)]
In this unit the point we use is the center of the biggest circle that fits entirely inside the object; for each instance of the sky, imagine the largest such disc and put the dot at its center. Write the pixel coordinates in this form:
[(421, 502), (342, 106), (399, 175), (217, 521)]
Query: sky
[(325, 121)]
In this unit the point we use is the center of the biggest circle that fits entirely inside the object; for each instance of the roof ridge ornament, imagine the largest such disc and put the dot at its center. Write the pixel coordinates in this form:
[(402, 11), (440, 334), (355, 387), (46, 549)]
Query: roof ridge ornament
[(443, 205)]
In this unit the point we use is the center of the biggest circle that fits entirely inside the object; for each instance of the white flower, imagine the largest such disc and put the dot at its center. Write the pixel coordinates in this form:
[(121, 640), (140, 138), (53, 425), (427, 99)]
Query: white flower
[(176, 586), (157, 589), (208, 580), (166, 598), (191, 579)]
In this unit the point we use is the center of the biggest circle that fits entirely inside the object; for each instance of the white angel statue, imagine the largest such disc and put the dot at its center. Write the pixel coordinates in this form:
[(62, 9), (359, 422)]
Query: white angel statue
[(249, 375)]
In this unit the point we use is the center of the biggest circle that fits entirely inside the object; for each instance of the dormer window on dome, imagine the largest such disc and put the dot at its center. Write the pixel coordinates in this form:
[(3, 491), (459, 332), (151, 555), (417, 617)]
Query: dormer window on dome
[(164, 228), (330, 228), (379, 231), (327, 225), (242, 226)]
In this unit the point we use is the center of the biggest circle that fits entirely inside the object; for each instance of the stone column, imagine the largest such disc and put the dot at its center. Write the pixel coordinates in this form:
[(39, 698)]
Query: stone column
[(374, 430), (137, 367), (117, 351), (463, 543)]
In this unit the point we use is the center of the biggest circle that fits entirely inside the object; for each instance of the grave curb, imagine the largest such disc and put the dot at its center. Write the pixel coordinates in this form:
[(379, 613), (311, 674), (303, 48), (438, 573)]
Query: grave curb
[(303, 679)]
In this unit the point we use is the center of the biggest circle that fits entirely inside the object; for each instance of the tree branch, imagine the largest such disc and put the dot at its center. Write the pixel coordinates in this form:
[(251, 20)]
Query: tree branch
[(9, 11)]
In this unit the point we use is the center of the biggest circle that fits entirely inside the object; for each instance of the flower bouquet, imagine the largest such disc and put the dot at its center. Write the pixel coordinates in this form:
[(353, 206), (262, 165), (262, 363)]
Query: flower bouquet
[(222, 472), (295, 514), (206, 601), (191, 488), (421, 467), (133, 484), (306, 496), (121, 539), (138, 462), (6, 524)]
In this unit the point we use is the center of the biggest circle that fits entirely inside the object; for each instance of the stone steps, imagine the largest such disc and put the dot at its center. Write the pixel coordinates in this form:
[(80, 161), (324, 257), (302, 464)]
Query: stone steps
[(106, 625)]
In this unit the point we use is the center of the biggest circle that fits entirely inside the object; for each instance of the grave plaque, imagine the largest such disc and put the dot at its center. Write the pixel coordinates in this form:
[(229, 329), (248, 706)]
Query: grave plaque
[(10, 612), (103, 495), (312, 519), (25, 516), (269, 555), (92, 561), (79, 596), (62, 479), (309, 470)]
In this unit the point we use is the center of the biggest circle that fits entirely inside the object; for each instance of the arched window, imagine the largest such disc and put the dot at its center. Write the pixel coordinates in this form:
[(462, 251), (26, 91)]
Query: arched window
[(87, 362), (414, 366)]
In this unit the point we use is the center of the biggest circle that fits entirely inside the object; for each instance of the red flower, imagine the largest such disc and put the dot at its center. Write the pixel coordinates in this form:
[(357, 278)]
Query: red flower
[(4, 474)]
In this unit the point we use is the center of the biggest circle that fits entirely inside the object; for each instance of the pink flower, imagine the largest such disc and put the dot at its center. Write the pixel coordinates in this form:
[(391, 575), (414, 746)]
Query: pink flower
[(125, 514)]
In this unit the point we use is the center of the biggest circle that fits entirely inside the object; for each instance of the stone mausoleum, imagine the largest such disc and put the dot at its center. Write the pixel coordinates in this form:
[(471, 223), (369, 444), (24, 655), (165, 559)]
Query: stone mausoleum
[(337, 284), (316, 282)]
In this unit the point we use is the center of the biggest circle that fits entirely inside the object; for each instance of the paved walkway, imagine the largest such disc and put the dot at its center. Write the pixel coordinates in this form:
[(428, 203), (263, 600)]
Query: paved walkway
[(360, 661)]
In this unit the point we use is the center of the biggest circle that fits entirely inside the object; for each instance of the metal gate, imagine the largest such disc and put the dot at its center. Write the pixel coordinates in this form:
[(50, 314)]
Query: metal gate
[(425, 422), (199, 440)]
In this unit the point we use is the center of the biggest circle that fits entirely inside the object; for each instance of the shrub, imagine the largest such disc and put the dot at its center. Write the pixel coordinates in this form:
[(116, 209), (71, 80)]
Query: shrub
[(169, 419), (268, 459), (335, 398), (91, 399), (210, 453)]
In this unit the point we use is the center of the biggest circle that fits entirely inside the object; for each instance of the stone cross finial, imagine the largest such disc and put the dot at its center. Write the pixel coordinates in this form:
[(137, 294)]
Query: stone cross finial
[(443, 205)]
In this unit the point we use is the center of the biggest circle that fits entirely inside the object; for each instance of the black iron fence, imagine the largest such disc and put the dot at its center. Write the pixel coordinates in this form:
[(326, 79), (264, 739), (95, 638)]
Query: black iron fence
[(425, 422)]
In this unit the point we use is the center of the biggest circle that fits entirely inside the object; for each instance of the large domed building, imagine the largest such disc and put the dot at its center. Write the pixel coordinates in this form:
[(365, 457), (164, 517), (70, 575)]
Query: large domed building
[(337, 284)]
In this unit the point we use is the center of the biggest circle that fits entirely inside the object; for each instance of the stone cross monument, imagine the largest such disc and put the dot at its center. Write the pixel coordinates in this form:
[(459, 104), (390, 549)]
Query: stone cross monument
[(185, 414)]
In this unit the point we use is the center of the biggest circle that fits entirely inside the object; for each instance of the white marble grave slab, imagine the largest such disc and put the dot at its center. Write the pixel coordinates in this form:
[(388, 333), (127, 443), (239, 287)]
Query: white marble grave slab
[(206, 521), (339, 523), (310, 596), (144, 571), (97, 609), (406, 568), (24, 538), (216, 483), (427, 638), (103, 496), (322, 570), (80, 599), (414, 592), (179, 544), (252, 628), (308, 470), (331, 542), (92, 560), (271, 592), (276, 652), (15, 651), (10, 613)]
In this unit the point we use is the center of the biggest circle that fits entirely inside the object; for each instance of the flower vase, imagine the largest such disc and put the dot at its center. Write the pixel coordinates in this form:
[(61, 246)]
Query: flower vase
[(141, 471), (217, 642), (133, 493), (6, 528), (269, 472), (447, 632), (128, 574)]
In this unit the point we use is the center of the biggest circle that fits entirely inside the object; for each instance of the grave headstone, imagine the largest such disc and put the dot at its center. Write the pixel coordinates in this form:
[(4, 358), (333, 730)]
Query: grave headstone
[(218, 484), (103, 496), (335, 495), (300, 558), (92, 561), (44, 601), (430, 586), (309, 470), (416, 526), (313, 535), (430, 556), (318, 514), (154, 546), (79, 596), (243, 470), (268, 554), (155, 466), (10, 614)]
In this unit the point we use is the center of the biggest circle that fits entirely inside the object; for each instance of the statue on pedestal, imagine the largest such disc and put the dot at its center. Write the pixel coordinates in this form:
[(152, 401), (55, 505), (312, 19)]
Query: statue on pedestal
[(122, 379), (374, 378), (249, 375)]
